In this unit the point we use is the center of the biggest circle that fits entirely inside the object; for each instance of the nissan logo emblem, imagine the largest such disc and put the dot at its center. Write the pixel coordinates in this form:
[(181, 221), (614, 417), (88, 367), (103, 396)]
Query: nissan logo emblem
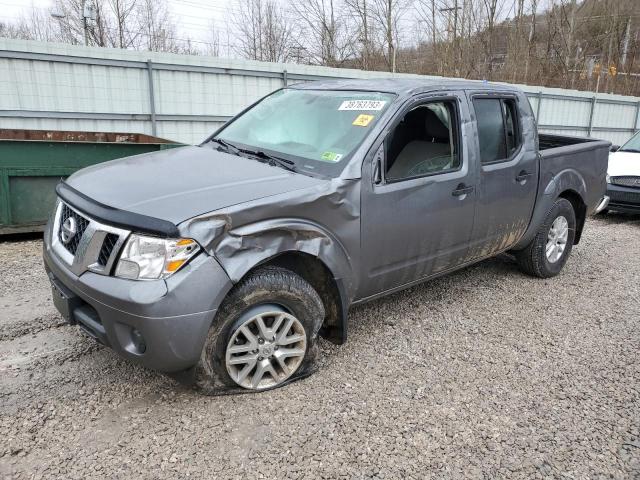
[(69, 230)]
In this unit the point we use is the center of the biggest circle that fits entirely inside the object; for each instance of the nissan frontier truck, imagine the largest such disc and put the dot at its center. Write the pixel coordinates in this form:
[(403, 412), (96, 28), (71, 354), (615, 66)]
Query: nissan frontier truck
[(223, 263)]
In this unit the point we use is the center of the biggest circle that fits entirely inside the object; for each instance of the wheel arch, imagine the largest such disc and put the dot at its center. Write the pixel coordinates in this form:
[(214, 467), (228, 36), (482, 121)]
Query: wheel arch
[(568, 184), (302, 247), (330, 289), (580, 209)]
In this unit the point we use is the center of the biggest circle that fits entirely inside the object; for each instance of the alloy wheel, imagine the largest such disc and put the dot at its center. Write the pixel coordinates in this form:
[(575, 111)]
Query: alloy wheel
[(557, 239), (266, 349)]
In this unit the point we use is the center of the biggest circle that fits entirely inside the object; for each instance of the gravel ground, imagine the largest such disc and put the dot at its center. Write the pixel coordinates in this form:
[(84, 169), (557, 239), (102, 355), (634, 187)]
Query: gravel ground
[(483, 373)]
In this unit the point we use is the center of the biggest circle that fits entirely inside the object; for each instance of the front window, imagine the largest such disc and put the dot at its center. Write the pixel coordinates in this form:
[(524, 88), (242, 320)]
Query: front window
[(632, 145), (316, 129), (423, 143)]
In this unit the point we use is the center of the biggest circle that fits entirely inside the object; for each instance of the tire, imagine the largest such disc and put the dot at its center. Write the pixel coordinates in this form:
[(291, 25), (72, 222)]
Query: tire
[(264, 302), (533, 260)]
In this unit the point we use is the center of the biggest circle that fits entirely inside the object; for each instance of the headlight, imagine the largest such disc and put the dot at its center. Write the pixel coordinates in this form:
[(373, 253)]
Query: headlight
[(149, 258)]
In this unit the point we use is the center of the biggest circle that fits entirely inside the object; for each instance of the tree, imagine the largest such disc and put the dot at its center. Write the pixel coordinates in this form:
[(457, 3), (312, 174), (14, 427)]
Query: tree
[(212, 46), (325, 34), (157, 29), (360, 11), (387, 14), (263, 31)]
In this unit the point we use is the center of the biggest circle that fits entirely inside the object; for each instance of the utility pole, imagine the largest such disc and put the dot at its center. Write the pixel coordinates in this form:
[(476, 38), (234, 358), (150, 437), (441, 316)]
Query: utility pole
[(452, 27), (88, 16), (625, 44)]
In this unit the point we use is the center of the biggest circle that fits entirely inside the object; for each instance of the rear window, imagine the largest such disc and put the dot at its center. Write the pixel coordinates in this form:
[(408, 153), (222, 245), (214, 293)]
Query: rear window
[(498, 129)]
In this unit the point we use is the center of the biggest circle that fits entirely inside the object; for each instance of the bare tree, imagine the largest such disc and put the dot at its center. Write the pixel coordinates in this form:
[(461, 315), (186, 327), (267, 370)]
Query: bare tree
[(491, 11), (263, 31), (326, 37), (123, 12), (427, 14), (212, 45), (361, 11), (157, 29), (530, 42), (387, 14), (35, 25), (585, 44), (8, 30)]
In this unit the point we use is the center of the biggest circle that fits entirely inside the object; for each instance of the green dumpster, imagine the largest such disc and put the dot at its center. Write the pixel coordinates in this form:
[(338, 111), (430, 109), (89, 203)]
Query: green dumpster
[(32, 162)]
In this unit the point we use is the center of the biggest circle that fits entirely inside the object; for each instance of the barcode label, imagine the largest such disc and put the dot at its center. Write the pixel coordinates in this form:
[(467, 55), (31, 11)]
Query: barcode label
[(362, 105)]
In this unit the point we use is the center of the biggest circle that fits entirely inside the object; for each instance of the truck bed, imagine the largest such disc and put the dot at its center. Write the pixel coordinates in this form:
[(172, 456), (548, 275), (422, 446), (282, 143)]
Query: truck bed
[(587, 157), (549, 141)]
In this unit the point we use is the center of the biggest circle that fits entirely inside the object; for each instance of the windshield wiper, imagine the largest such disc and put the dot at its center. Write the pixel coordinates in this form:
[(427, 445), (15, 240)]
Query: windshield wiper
[(633, 150), (229, 146), (261, 156), (272, 160)]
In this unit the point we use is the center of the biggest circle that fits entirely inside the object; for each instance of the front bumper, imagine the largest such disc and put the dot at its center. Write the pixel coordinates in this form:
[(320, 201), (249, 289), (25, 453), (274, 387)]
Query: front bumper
[(623, 199), (161, 324)]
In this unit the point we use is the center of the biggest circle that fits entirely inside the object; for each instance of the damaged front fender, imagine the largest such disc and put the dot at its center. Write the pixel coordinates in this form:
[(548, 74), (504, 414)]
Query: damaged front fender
[(243, 248), (244, 236), (279, 229)]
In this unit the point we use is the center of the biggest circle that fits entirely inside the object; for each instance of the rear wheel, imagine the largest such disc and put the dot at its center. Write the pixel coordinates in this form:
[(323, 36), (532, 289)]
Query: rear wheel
[(547, 253), (264, 334)]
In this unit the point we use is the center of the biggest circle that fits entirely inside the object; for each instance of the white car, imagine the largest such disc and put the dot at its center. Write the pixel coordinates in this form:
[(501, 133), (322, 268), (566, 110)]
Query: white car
[(623, 177)]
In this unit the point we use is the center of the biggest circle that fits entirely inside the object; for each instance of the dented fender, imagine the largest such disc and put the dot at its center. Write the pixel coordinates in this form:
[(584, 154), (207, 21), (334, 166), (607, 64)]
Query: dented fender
[(241, 249), (244, 236)]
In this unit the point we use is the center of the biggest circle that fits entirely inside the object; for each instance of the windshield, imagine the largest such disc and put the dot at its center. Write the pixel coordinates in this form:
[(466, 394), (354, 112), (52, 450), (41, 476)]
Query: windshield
[(316, 129), (632, 145)]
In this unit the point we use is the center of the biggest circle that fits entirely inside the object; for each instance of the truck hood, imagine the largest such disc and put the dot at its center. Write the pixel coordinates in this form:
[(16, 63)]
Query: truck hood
[(180, 183), (624, 164)]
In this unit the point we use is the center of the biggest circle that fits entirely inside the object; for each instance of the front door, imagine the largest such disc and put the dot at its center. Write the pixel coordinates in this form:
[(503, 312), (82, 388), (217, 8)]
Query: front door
[(417, 210), (508, 181)]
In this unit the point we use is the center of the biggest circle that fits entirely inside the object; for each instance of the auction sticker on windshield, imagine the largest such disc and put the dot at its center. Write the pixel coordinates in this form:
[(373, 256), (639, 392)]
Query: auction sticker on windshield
[(362, 105), (331, 157), (363, 120)]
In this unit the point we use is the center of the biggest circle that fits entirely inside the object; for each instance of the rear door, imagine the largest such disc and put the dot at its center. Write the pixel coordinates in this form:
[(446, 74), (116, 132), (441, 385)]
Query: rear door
[(508, 176), (417, 215)]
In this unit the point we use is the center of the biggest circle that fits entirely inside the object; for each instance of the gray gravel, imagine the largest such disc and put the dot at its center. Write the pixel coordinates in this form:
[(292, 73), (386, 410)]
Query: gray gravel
[(483, 373)]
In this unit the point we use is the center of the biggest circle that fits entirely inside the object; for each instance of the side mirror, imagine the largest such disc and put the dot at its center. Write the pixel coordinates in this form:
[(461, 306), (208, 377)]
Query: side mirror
[(614, 148), (377, 166)]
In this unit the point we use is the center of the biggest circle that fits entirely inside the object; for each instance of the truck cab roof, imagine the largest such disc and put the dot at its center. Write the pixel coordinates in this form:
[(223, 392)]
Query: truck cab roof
[(403, 86)]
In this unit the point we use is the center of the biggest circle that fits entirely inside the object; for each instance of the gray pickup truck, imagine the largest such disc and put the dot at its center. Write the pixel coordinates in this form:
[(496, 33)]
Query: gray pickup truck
[(222, 263)]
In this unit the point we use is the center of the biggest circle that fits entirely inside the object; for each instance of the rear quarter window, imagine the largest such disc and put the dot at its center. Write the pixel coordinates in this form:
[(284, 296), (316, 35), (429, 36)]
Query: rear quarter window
[(498, 128)]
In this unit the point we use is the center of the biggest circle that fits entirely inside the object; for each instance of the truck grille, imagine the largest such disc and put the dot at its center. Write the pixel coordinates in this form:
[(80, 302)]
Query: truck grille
[(632, 198), (84, 243), (108, 245), (628, 181), (79, 226)]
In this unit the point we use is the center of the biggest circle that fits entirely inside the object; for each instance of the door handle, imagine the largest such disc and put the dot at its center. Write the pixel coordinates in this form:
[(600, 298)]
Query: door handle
[(461, 190), (523, 175)]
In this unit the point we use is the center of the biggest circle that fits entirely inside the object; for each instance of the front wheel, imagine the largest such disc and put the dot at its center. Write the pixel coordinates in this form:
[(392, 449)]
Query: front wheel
[(547, 253), (264, 334)]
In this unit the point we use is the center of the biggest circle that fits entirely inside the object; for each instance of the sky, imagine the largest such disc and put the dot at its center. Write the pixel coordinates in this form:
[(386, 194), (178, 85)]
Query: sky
[(192, 16)]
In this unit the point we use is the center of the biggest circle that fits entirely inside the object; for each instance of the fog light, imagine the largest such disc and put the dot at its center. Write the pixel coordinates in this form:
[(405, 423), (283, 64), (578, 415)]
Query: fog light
[(138, 341)]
